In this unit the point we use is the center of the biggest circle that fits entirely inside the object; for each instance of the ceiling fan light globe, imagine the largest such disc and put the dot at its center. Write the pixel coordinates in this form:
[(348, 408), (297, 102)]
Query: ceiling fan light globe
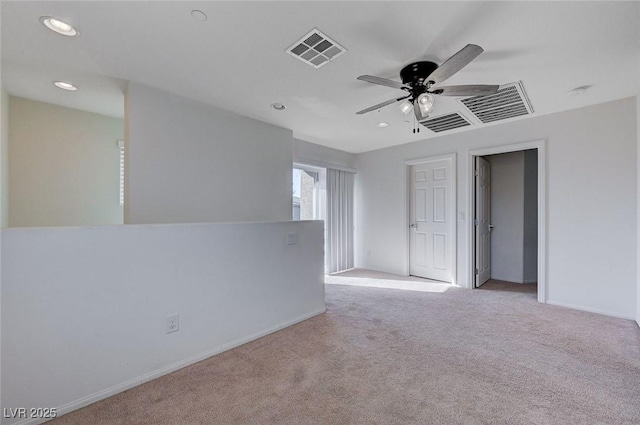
[(425, 104), (426, 100), (406, 107)]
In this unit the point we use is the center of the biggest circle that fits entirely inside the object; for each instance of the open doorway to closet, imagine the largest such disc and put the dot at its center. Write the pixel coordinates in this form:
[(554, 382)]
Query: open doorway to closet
[(506, 221)]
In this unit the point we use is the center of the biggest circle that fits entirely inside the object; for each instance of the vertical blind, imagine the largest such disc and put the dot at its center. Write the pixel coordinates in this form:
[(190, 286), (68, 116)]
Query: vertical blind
[(339, 220)]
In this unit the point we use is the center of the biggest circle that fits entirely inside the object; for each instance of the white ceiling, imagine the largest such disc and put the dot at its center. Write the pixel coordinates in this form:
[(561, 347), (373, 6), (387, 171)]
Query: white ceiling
[(237, 60)]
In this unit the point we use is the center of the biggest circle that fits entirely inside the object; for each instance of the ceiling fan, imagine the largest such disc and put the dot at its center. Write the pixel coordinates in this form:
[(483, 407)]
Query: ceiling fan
[(420, 80)]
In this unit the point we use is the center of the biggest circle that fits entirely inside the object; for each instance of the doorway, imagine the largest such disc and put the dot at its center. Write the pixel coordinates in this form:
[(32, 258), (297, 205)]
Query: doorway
[(507, 230)]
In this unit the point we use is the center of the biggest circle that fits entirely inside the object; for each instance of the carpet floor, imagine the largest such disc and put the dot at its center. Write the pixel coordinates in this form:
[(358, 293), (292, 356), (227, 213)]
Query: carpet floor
[(393, 350)]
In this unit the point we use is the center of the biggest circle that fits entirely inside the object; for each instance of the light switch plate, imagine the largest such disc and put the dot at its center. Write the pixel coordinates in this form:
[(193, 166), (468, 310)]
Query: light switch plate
[(292, 238)]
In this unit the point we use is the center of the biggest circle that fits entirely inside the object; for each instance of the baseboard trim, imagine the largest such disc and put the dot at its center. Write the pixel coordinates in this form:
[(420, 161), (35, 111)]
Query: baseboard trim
[(589, 310), (134, 382)]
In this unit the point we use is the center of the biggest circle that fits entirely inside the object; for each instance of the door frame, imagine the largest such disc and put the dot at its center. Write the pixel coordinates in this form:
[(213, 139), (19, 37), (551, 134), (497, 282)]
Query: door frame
[(451, 214), (540, 145)]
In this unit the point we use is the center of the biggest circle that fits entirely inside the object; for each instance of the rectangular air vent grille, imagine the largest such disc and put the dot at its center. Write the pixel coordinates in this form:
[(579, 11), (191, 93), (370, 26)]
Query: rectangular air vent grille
[(445, 122), (508, 102), (316, 49)]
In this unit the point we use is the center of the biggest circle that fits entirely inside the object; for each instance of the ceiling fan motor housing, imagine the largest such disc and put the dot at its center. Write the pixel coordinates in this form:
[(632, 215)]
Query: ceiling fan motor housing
[(416, 73)]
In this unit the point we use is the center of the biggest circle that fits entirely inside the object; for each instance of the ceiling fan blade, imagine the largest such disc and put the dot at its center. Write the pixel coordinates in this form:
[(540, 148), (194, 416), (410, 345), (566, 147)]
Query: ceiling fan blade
[(455, 63), (381, 81), (467, 90), (380, 105)]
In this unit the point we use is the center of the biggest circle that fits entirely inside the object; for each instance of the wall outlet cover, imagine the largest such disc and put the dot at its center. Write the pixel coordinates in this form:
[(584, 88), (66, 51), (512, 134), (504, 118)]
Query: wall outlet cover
[(172, 323)]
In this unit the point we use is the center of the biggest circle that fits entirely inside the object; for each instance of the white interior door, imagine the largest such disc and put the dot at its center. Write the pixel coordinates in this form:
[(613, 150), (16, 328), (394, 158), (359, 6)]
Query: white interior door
[(482, 221), (431, 206)]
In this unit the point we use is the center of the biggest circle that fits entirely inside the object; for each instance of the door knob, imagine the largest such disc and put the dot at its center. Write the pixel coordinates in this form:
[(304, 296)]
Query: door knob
[(414, 225), (490, 226)]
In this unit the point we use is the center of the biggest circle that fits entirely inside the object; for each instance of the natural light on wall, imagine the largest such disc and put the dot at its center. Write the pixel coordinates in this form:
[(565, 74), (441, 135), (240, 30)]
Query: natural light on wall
[(121, 150), (423, 285)]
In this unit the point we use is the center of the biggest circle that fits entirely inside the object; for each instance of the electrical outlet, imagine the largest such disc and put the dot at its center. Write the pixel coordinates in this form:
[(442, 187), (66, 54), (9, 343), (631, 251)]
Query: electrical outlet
[(173, 323)]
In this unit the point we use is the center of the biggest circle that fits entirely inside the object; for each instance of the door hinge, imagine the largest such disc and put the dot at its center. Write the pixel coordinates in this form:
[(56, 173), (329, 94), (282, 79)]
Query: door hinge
[(475, 222), (477, 173), (475, 271)]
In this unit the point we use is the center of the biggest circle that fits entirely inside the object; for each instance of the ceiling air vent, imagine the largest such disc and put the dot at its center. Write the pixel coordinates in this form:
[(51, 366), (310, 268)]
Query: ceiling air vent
[(445, 122), (316, 49), (508, 102)]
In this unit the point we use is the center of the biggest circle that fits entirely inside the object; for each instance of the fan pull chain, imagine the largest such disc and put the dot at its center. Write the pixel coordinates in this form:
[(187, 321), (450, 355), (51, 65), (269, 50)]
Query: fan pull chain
[(416, 127)]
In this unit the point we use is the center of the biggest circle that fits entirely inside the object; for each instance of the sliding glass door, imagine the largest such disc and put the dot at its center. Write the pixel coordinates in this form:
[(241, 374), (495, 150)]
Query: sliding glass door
[(327, 195)]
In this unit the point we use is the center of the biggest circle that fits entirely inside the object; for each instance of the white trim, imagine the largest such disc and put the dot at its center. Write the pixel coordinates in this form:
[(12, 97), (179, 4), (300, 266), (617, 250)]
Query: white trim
[(121, 171), (589, 310), (540, 145), (323, 164), (306, 167), (430, 159), (134, 382), (452, 214), (407, 219)]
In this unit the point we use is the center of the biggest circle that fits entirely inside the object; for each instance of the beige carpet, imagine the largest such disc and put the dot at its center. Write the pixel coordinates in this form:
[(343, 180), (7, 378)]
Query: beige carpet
[(428, 355)]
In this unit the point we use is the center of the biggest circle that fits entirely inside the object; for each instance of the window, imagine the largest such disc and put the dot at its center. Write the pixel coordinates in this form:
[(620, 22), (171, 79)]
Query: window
[(308, 193)]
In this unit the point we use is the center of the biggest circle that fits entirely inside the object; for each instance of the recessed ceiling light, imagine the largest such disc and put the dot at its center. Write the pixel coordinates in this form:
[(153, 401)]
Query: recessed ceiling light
[(278, 106), (58, 26), (199, 15), (383, 124), (578, 91), (65, 86)]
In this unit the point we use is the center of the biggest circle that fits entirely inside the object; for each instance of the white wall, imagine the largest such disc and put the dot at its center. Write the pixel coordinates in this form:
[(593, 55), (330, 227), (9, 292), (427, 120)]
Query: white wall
[(4, 160), (638, 208), (322, 156), (191, 162), (591, 186), (507, 216), (83, 309), (64, 166), (4, 190)]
